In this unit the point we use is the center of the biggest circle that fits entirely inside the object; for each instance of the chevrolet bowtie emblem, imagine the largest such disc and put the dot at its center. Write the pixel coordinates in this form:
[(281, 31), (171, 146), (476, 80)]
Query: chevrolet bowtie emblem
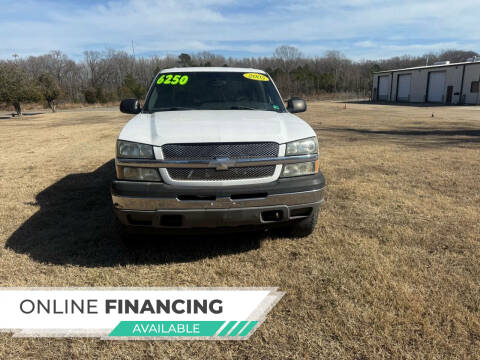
[(222, 163)]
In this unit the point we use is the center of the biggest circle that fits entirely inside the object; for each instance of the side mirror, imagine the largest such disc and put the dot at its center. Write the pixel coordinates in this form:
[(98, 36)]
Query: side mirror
[(296, 105), (130, 106)]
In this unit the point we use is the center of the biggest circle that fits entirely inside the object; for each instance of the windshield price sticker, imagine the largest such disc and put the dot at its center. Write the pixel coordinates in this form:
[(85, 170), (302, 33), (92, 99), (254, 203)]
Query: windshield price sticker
[(172, 79), (256, 76)]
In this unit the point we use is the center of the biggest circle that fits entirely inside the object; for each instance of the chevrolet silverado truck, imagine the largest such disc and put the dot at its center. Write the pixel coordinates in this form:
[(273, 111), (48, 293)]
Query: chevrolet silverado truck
[(216, 148)]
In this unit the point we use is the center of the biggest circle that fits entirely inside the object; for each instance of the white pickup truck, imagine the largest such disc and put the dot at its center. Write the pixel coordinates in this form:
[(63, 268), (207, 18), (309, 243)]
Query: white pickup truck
[(216, 148)]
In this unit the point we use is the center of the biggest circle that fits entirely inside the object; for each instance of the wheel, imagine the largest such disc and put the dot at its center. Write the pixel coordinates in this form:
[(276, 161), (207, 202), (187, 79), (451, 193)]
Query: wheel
[(304, 227)]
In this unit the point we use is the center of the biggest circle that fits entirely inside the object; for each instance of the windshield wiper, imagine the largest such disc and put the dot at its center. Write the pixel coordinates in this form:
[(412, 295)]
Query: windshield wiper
[(239, 107), (174, 108)]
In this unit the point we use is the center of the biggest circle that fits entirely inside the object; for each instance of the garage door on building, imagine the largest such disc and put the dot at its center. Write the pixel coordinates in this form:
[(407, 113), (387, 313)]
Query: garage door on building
[(436, 87), (403, 87), (384, 88)]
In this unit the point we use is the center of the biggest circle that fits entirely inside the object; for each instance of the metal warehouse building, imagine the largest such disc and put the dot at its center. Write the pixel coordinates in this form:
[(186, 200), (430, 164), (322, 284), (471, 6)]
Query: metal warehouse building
[(441, 83)]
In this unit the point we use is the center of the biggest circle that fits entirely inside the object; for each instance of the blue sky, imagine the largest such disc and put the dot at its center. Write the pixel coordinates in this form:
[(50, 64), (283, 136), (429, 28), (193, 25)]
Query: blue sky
[(361, 29)]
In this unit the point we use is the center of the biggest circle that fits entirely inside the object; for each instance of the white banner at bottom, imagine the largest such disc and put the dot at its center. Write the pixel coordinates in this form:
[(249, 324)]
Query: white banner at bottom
[(136, 313)]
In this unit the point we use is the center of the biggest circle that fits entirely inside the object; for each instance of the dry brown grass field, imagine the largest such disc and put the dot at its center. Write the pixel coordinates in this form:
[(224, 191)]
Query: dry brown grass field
[(392, 270)]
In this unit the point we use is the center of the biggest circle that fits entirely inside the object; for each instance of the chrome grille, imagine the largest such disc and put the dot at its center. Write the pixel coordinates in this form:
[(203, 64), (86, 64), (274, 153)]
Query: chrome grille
[(250, 172), (219, 150)]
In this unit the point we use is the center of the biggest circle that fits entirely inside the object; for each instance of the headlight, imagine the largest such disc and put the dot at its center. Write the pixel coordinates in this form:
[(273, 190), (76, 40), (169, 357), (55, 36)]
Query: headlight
[(142, 174), (300, 169), (127, 149), (131, 150), (302, 147), (307, 146)]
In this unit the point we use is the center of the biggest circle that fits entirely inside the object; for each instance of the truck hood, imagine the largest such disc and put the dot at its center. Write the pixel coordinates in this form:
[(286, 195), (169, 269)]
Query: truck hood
[(200, 126)]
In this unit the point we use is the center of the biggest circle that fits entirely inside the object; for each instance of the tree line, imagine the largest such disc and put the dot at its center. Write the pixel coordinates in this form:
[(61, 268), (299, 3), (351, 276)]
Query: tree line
[(106, 76)]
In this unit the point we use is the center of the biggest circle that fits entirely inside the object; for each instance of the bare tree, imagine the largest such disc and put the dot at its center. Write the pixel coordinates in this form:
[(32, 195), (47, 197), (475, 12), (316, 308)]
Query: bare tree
[(206, 58), (108, 75), (288, 58)]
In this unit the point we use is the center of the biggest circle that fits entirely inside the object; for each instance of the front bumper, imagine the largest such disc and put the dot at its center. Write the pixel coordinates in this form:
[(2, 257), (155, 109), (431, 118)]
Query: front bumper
[(160, 205)]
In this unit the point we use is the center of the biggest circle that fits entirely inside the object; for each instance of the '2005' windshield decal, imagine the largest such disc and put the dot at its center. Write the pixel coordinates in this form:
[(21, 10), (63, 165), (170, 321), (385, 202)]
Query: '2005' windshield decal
[(172, 79), (256, 76)]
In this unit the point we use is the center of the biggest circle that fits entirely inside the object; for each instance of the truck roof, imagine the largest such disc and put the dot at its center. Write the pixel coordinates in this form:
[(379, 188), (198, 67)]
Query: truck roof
[(211, 69)]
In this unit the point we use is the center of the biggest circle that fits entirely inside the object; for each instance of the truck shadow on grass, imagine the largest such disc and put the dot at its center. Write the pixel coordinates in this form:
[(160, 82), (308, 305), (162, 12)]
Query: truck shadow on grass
[(75, 225)]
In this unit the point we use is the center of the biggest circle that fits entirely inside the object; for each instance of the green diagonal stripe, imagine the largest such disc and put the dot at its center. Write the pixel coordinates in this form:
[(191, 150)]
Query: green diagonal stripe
[(237, 329), (227, 328), (167, 328), (248, 328)]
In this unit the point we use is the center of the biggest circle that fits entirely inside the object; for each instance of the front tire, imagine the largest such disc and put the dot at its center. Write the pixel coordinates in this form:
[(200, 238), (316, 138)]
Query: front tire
[(304, 227)]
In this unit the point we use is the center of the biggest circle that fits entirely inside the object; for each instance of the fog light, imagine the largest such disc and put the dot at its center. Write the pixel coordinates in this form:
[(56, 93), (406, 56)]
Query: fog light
[(299, 169), (143, 174)]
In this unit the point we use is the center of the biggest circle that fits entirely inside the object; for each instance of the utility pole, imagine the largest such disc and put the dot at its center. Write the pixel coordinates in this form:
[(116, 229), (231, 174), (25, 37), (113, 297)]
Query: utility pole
[(335, 80), (134, 60)]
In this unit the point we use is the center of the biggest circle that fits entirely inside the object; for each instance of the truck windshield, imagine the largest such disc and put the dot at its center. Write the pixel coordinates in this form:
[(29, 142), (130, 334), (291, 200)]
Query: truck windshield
[(213, 91)]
